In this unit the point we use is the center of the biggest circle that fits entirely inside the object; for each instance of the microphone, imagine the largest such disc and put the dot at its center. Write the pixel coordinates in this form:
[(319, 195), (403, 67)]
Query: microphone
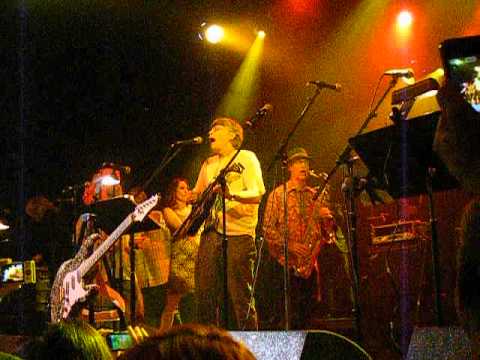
[(259, 114), (325, 85), (197, 140), (406, 73), (321, 176)]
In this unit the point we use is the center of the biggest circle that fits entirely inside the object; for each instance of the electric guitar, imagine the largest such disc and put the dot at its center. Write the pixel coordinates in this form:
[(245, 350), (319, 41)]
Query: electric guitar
[(68, 289), (201, 209)]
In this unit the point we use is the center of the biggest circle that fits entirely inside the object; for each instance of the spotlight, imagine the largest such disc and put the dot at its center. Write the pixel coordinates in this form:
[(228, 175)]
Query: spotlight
[(109, 174), (404, 19), (261, 34), (212, 33), (109, 180), (4, 225)]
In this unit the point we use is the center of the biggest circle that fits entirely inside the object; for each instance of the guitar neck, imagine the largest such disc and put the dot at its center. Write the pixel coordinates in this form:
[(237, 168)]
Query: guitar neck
[(103, 248)]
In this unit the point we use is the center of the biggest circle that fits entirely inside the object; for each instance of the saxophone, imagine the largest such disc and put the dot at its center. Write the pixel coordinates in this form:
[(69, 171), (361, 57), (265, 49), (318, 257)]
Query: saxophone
[(303, 266)]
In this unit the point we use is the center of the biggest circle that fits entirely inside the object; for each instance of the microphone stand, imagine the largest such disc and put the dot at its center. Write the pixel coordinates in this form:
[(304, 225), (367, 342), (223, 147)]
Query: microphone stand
[(346, 159), (169, 156), (74, 191), (221, 180), (173, 151), (281, 154)]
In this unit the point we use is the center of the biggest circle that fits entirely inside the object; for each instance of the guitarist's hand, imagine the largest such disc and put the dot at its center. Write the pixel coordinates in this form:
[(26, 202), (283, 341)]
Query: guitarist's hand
[(299, 250), (91, 289)]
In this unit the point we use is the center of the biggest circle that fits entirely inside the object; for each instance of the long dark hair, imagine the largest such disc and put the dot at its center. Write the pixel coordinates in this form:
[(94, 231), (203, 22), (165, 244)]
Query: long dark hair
[(169, 199)]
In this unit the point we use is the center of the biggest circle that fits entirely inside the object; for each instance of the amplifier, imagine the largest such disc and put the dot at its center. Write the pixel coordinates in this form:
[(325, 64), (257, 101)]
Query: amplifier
[(399, 231)]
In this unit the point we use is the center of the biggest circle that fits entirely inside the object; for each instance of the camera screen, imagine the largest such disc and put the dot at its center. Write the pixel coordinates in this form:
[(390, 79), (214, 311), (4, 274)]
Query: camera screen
[(465, 71), (12, 272), (119, 341)]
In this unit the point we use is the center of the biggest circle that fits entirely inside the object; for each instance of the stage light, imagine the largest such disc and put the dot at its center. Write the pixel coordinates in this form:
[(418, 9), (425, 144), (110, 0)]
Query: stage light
[(404, 19), (214, 34), (4, 222), (109, 180), (261, 34), (4, 225), (108, 175)]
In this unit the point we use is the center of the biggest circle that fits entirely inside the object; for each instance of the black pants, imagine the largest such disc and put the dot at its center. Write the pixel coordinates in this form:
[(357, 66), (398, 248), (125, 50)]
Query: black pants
[(271, 297), (209, 281)]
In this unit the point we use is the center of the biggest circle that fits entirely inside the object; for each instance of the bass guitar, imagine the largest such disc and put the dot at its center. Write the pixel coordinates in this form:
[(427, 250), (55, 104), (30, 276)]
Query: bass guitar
[(68, 290)]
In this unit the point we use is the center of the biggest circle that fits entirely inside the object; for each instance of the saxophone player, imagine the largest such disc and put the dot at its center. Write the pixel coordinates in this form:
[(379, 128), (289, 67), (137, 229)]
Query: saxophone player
[(307, 215)]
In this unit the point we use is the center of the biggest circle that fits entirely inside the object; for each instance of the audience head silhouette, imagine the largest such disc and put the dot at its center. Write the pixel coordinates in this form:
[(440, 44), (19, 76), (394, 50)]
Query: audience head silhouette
[(190, 341), (73, 340)]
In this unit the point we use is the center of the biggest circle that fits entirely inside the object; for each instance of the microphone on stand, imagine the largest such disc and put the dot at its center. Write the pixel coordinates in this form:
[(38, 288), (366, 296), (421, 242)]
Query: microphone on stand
[(406, 73), (195, 141), (322, 176), (324, 85), (259, 114)]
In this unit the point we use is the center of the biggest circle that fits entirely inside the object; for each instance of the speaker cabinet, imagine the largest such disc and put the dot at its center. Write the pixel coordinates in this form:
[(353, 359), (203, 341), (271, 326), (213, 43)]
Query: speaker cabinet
[(300, 345), (447, 343)]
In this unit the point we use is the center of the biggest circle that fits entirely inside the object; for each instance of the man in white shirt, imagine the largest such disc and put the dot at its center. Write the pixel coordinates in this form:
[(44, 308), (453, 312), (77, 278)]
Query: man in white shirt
[(244, 189)]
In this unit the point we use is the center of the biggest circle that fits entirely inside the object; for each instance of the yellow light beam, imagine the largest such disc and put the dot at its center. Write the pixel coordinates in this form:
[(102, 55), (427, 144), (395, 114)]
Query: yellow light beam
[(241, 95)]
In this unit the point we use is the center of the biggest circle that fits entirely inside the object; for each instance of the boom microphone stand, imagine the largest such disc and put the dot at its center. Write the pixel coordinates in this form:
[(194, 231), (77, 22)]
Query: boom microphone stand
[(169, 156), (348, 186), (281, 154)]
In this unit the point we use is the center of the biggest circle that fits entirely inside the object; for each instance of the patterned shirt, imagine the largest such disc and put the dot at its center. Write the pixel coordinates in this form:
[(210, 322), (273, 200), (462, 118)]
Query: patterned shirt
[(304, 219), (152, 262)]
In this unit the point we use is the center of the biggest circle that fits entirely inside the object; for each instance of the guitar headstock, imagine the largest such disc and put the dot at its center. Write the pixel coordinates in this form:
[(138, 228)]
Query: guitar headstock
[(144, 208)]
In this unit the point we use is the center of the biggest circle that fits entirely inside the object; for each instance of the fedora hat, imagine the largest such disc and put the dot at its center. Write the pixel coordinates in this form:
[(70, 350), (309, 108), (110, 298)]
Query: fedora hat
[(297, 153)]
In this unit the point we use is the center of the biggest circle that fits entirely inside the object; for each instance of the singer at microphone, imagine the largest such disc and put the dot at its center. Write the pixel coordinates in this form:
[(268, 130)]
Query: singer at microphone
[(259, 114), (325, 85), (195, 141)]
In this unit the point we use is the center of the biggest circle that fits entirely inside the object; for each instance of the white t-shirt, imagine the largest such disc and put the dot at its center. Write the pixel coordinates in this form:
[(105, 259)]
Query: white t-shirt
[(243, 180)]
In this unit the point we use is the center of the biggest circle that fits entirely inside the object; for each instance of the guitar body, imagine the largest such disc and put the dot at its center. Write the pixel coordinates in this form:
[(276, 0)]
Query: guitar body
[(68, 288), (200, 213), (201, 210)]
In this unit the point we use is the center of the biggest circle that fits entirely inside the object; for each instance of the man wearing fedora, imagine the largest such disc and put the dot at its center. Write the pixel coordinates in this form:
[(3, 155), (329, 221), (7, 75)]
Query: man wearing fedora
[(308, 219)]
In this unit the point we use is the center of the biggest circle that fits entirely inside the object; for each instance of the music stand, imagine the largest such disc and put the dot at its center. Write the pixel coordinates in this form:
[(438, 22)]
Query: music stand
[(110, 213), (399, 156), (401, 159)]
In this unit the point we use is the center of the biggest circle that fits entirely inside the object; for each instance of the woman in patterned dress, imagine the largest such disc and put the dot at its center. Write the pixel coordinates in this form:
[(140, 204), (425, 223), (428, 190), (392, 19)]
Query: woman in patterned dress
[(183, 251)]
